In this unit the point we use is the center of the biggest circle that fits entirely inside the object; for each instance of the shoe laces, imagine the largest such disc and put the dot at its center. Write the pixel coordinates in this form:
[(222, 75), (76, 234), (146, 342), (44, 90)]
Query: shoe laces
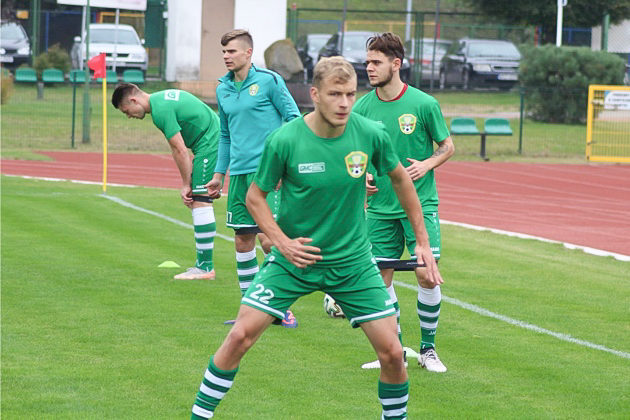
[(431, 354)]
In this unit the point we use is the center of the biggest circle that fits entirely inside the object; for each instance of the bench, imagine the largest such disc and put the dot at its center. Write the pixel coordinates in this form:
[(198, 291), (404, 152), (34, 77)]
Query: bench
[(53, 76), (133, 76), (110, 75), (25, 75), (77, 76), (491, 127)]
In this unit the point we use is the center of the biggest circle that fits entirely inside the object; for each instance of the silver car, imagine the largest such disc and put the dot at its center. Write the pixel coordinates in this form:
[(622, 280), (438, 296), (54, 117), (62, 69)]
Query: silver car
[(122, 47), (427, 56)]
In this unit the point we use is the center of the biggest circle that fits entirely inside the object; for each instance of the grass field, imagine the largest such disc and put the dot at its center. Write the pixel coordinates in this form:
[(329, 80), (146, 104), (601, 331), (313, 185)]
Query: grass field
[(53, 131), (92, 328)]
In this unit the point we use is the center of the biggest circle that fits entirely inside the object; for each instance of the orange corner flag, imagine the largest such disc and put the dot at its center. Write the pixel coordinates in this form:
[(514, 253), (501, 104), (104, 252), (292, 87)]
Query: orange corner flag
[(97, 63)]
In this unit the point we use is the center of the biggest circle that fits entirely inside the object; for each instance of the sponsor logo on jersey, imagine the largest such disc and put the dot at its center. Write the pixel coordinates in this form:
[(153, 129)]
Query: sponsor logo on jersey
[(407, 123), (171, 95), (311, 168), (356, 162), (253, 89)]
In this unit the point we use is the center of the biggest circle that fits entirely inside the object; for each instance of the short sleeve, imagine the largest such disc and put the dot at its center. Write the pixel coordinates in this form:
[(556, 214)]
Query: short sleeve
[(272, 164), (384, 158), (434, 120)]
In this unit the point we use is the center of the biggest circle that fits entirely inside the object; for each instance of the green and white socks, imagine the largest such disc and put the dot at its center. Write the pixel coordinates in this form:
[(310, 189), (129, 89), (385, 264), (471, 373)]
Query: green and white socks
[(429, 301), (246, 269), (205, 231), (393, 398), (215, 384)]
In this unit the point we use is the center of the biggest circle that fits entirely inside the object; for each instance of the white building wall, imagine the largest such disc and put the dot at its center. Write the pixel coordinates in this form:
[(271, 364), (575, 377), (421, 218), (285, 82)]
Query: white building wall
[(183, 45), (618, 37), (265, 20)]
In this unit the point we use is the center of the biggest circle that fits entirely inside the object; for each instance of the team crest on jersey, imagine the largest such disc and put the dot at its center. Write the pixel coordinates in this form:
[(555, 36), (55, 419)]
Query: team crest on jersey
[(253, 89), (171, 95), (356, 162), (407, 123)]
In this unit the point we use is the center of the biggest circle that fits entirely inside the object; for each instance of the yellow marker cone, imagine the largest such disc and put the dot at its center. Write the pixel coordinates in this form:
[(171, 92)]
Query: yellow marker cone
[(169, 264)]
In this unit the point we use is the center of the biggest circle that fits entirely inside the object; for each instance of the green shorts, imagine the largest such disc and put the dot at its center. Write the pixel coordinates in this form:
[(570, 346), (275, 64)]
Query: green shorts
[(237, 215), (389, 237), (358, 288), (203, 170)]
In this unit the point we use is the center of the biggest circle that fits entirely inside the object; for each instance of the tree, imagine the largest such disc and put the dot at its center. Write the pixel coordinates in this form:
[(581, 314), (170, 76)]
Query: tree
[(577, 13)]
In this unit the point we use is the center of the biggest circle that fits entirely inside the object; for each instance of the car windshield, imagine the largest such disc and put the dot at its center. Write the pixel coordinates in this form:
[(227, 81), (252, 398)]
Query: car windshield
[(316, 44), (12, 31), (107, 36), (354, 42), (493, 49)]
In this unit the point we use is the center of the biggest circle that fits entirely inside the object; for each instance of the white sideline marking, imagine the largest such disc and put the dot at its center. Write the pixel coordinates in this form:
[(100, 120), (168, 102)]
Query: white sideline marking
[(484, 312), (588, 250), (474, 308), (156, 214)]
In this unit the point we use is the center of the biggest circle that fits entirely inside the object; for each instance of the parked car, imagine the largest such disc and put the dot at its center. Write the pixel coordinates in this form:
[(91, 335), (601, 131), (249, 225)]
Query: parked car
[(308, 47), (15, 48), (480, 62), (354, 50), (125, 43), (427, 56)]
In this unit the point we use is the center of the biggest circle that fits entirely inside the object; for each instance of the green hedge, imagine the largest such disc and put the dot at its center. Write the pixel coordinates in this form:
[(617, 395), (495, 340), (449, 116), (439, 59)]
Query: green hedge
[(55, 58), (556, 80)]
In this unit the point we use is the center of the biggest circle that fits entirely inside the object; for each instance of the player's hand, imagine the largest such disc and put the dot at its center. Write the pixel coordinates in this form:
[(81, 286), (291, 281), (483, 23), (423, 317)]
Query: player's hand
[(369, 184), (298, 253), (417, 169), (214, 188), (424, 255), (186, 194)]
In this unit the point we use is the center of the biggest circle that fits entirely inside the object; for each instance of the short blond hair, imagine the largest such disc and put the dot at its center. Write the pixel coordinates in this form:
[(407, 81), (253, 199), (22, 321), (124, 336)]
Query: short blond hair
[(336, 67)]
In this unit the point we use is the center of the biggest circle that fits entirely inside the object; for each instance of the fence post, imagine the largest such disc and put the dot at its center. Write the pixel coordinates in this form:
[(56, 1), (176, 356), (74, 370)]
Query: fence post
[(293, 23), (417, 49), (520, 121)]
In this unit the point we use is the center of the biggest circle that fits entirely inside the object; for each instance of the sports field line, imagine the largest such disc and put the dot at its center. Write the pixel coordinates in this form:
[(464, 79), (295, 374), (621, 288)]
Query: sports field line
[(484, 312), (468, 306)]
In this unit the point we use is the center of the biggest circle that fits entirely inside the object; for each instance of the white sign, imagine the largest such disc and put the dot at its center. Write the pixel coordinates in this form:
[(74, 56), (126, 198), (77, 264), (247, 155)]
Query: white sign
[(111, 4), (617, 99)]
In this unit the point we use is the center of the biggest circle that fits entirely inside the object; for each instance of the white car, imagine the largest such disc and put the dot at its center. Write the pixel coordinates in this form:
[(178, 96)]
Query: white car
[(123, 47)]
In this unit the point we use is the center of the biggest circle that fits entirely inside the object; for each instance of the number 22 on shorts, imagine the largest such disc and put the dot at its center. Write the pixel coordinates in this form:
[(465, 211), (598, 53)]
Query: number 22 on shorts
[(261, 294)]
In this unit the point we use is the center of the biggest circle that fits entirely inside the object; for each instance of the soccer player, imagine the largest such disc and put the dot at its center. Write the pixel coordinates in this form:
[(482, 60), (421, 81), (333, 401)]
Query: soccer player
[(320, 238), (252, 103), (187, 123), (414, 122)]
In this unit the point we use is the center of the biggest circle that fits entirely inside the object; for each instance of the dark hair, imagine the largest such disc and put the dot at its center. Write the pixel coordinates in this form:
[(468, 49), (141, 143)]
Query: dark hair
[(388, 43), (238, 34), (122, 91)]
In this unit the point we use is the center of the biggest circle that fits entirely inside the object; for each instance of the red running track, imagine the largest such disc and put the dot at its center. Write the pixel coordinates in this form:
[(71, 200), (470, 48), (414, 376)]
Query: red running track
[(587, 205)]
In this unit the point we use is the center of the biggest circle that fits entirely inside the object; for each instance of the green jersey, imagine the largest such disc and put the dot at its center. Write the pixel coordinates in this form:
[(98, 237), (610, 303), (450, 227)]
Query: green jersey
[(175, 111), (323, 184), (414, 121)]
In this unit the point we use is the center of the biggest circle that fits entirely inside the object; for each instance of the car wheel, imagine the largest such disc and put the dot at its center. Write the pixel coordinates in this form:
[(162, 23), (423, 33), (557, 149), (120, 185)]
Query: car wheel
[(466, 80), (442, 80)]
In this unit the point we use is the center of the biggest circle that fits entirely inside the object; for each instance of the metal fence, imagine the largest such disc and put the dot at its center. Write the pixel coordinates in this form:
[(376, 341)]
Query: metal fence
[(415, 25)]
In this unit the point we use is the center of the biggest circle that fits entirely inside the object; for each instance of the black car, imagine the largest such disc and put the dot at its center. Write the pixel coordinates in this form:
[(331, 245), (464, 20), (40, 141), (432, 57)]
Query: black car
[(480, 62), (15, 48), (354, 50), (308, 47)]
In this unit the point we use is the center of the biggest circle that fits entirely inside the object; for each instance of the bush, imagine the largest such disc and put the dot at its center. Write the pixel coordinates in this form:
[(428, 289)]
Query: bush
[(6, 86), (54, 58), (557, 79)]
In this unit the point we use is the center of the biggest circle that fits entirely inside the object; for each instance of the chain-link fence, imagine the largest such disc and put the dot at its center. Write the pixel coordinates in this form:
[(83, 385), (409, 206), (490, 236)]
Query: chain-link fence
[(417, 29)]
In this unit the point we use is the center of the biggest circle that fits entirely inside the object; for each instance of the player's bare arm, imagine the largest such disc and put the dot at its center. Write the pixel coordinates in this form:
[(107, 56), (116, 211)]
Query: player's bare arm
[(419, 168), (215, 185), (409, 200), (184, 164), (295, 250)]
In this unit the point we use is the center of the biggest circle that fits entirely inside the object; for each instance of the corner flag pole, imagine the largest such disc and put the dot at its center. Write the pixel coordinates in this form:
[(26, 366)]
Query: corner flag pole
[(105, 134)]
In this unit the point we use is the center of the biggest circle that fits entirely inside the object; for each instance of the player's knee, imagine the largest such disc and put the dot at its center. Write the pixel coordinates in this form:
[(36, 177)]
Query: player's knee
[(423, 279), (239, 339), (392, 355)]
